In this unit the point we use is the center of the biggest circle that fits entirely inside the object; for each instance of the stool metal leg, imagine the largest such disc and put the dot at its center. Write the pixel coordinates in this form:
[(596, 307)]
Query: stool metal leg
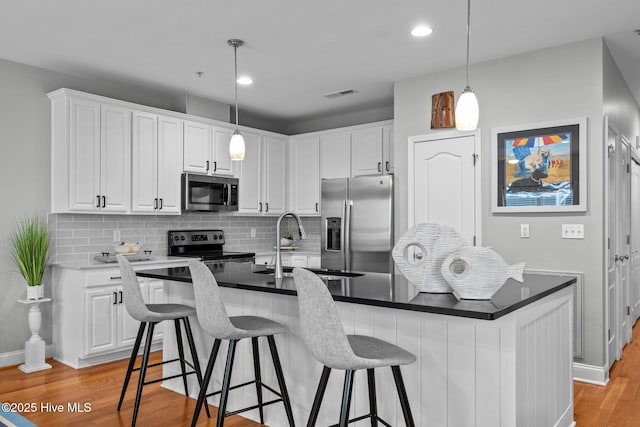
[(346, 398), (132, 361), (317, 401), (280, 376), (143, 371), (176, 322), (256, 370), (205, 382), (402, 394), (373, 404), (194, 357), (226, 383)]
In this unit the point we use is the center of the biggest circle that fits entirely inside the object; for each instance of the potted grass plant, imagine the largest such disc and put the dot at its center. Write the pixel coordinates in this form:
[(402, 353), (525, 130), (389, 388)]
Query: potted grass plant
[(30, 245)]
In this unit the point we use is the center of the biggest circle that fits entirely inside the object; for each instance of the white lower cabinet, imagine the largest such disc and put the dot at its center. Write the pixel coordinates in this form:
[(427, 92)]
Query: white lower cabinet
[(91, 322)]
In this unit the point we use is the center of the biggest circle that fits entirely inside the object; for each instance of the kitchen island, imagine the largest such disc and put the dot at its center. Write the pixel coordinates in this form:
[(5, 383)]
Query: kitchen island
[(502, 362)]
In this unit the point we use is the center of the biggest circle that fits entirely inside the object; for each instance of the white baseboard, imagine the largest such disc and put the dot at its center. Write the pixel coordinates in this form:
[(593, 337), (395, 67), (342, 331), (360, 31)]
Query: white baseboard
[(591, 374), (17, 357)]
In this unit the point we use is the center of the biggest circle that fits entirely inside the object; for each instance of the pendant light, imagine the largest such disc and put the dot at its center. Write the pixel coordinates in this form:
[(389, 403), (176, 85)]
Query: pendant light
[(467, 110), (236, 145)]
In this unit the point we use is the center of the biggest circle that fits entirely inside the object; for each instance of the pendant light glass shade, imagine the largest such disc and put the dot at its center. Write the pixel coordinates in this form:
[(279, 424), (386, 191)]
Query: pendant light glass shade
[(236, 146), (467, 109)]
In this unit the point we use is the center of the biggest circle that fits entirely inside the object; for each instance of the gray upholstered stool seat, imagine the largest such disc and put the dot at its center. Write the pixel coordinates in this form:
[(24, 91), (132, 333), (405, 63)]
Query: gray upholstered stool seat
[(254, 326), (376, 353), (160, 312), (214, 320), (149, 315), (324, 335)]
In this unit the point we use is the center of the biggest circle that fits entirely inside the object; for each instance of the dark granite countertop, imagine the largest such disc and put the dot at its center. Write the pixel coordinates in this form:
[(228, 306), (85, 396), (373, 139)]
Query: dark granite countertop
[(383, 290)]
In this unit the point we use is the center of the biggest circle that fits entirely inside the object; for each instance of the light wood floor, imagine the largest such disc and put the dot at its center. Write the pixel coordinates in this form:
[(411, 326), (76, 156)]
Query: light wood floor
[(615, 405), (100, 386)]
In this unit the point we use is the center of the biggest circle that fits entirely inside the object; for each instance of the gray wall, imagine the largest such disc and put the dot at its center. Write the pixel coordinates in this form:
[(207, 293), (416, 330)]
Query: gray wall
[(620, 107), (25, 139), (558, 83)]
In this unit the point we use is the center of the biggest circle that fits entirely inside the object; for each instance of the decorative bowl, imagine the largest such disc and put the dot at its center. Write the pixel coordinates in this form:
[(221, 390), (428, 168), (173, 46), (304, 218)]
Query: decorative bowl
[(127, 248)]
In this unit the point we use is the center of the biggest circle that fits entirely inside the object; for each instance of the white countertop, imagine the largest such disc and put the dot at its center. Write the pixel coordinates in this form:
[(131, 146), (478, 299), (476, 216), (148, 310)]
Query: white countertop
[(153, 260)]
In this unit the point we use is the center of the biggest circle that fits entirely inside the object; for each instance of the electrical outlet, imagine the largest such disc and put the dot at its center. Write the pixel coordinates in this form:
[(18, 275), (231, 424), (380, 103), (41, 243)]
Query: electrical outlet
[(524, 231), (253, 232), (573, 231), (116, 236)]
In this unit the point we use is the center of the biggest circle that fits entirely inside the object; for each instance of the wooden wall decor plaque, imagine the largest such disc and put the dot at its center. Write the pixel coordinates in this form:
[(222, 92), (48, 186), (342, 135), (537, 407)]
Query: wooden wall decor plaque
[(442, 110)]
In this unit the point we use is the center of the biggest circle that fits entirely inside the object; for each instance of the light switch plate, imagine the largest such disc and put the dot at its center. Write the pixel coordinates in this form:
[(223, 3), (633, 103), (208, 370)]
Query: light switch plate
[(116, 236), (524, 231), (573, 231)]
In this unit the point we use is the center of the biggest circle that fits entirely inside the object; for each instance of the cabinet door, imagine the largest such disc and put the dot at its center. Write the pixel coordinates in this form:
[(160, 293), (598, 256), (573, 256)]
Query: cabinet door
[(335, 155), (115, 159), (387, 149), (366, 152), (144, 155), (304, 167), (156, 296), (84, 155), (197, 147), (222, 163), (100, 320), (169, 164), (274, 191), (127, 325), (249, 191)]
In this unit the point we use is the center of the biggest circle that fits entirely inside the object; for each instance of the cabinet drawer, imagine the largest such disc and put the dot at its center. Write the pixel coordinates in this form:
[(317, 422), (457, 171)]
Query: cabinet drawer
[(103, 277)]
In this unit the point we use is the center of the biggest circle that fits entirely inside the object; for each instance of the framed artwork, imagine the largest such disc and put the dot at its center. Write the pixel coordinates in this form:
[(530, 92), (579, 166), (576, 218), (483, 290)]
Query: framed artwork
[(540, 167)]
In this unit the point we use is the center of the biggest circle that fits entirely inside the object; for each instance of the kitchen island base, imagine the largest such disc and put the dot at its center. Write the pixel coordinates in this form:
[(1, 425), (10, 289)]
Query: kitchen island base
[(512, 371)]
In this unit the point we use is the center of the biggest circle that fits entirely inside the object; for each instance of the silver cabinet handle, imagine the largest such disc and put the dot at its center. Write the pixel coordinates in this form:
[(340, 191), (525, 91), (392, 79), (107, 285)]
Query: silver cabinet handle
[(317, 205), (266, 207), (160, 204), (155, 204), (98, 201), (115, 298), (386, 166), (207, 165), (120, 302), (215, 166), (380, 167), (260, 209), (104, 201)]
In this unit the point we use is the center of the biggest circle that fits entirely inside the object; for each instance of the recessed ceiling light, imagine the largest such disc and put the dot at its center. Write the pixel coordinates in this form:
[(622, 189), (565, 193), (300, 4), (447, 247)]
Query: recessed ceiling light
[(421, 31), (245, 80)]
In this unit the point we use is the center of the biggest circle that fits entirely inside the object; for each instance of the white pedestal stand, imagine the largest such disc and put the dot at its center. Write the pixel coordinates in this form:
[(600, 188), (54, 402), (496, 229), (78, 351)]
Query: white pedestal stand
[(34, 347)]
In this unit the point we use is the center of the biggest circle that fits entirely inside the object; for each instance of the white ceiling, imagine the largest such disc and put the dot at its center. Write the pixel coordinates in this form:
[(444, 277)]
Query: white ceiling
[(297, 51)]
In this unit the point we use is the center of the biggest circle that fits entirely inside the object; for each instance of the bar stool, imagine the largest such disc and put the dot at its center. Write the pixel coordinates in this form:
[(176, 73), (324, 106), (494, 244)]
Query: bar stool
[(214, 320), (149, 315), (324, 335)]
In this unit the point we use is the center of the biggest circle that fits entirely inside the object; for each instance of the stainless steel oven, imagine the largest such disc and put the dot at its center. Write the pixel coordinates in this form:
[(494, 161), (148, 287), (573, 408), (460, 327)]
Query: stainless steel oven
[(205, 245), (209, 193)]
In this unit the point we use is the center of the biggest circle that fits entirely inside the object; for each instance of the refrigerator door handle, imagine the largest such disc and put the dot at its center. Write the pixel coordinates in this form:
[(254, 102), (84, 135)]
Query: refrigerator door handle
[(347, 234)]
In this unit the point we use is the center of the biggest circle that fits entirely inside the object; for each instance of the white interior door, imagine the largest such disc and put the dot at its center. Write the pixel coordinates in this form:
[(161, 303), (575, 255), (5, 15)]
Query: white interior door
[(624, 238), (444, 182), (634, 274)]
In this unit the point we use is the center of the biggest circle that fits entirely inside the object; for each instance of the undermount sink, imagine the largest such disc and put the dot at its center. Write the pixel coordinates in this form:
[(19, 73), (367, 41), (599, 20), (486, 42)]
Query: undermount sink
[(324, 274)]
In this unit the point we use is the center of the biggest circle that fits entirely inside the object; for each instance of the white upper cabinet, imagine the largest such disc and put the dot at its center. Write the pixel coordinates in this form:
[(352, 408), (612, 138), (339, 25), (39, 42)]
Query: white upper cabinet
[(222, 163), (372, 151), (156, 163), (304, 169), (91, 156), (262, 188), (206, 149), (335, 155), (274, 173)]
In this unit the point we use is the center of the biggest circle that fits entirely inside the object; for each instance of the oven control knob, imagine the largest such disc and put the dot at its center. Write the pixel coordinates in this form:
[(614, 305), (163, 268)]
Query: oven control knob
[(181, 237), (220, 236), (176, 237), (215, 237)]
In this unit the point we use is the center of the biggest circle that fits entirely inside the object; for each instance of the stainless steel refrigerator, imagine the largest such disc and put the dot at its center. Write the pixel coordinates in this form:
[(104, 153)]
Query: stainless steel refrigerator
[(357, 223)]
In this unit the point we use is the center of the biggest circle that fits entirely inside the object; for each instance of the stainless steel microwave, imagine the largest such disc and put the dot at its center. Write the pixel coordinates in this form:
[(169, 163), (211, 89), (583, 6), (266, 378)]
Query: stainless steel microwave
[(209, 193)]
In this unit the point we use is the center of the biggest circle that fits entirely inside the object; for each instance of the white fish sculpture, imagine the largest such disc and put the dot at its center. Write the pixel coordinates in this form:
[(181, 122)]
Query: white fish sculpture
[(420, 252), (475, 272)]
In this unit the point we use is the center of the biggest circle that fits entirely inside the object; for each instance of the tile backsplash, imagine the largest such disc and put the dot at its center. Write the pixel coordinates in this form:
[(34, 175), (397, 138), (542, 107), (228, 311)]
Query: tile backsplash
[(79, 237)]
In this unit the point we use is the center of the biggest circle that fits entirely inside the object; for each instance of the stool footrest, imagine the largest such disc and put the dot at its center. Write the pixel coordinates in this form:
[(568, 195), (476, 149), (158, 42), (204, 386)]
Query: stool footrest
[(362, 417), (163, 362), (169, 378), (243, 385), (239, 411)]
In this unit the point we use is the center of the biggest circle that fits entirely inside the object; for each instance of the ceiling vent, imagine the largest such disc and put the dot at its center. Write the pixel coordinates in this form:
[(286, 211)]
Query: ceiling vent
[(340, 93)]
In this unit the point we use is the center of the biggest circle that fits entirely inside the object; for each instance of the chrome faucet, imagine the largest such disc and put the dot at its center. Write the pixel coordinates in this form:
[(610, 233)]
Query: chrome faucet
[(303, 235)]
